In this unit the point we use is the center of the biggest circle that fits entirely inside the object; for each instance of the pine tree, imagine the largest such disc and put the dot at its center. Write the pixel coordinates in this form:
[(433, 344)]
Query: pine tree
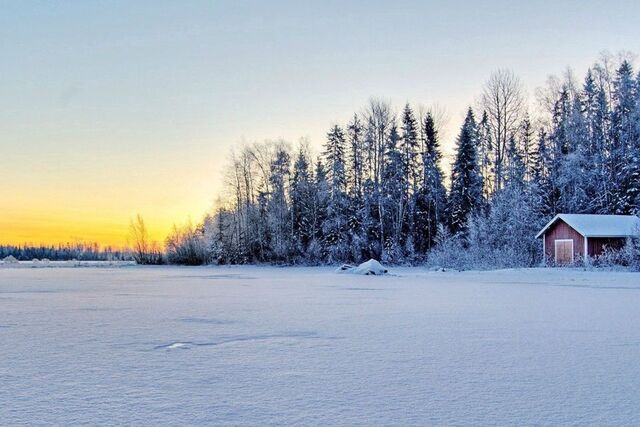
[(465, 198), (302, 194), (410, 147), (539, 185), (316, 251), (516, 170), (278, 209), (485, 153), (355, 133), (335, 225), (625, 135), (394, 197), (526, 148), (596, 116), (431, 197), (356, 215), (632, 169), (573, 167)]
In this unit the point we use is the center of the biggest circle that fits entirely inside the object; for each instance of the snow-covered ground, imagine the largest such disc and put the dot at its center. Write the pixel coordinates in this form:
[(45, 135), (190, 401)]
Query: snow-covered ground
[(276, 346)]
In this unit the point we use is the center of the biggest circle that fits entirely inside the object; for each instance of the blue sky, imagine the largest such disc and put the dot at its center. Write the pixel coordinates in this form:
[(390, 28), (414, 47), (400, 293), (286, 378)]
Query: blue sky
[(108, 108)]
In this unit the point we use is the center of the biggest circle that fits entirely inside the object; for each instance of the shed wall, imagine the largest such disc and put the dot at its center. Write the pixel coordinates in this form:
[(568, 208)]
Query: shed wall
[(561, 230)]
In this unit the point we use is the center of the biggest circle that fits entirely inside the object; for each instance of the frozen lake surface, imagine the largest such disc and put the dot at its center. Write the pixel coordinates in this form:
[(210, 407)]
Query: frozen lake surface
[(275, 346)]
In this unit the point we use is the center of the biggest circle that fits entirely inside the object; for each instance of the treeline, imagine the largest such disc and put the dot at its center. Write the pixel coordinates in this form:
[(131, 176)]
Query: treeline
[(64, 252), (378, 189)]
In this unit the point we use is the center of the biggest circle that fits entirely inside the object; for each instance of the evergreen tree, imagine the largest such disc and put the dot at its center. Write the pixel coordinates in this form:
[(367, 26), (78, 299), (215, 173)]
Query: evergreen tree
[(465, 198), (625, 135), (516, 170), (395, 197), (632, 168), (355, 133), (431, 197), (573, 170), (539, 185), (316, 251), (410, 147), (355, 172), (596, 117), (278, 208), (485, 153), (302, 194), (335, 225), (527, 148)]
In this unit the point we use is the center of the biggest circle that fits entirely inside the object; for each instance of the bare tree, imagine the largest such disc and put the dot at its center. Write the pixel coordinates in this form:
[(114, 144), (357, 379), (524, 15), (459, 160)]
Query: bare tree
[(144, 250), (503, 101), (379, 118)]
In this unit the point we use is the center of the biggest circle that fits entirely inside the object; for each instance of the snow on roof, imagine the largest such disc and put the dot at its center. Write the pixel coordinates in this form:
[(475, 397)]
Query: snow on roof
[(599, 225)]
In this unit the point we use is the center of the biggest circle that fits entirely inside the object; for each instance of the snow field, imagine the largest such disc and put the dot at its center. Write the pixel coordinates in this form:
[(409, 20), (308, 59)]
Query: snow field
[(307, 346)]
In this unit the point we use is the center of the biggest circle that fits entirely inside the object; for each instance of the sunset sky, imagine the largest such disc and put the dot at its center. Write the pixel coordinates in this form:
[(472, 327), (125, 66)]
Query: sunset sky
[(112, 108)]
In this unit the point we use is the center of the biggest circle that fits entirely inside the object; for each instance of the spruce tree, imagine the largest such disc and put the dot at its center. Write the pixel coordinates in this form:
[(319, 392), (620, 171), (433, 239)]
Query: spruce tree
[(410, 147), (431, 197), (335, 225), (625, 135), (465, 198), (302, 193), (394, 197)]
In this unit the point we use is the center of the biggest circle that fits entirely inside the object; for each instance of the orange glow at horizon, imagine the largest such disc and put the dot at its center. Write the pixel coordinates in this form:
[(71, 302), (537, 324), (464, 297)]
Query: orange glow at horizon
[(29, 229), (38, 229), (99, 208)]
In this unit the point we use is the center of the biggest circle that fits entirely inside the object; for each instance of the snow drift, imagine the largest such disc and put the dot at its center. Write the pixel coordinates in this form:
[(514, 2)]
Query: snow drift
[(368, 268)]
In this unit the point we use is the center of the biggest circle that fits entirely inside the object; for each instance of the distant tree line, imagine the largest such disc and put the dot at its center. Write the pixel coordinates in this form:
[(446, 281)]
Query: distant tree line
[(64, 252), (378, 189)]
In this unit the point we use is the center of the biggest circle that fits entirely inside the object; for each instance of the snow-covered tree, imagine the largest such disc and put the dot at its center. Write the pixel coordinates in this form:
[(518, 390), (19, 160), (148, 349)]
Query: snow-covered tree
[(431, 197), (465, 197), (335, 225)]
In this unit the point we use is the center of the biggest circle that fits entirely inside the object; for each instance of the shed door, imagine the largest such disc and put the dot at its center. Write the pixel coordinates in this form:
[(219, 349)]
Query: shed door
[(564, 251)]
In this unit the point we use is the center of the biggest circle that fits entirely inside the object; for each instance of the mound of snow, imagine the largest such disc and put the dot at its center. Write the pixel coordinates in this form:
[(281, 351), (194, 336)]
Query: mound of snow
[(371, 267), (10, 260)]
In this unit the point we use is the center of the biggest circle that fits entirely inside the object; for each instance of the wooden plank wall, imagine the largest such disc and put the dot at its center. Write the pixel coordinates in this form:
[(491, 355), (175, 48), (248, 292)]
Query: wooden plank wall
[(561, 230)]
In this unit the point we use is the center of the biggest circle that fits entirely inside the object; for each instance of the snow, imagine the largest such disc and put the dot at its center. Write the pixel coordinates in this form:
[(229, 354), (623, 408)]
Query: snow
[(367, 268), (599, 225), (306, 346)]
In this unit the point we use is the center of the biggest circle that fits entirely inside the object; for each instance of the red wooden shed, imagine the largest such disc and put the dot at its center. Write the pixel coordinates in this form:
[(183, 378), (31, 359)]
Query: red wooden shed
[(571, 237)]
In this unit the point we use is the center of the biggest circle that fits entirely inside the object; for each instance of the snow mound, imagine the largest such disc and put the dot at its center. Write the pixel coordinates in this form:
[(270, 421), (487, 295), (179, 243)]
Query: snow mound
[(368, 268), (177, 345), (10, 260)]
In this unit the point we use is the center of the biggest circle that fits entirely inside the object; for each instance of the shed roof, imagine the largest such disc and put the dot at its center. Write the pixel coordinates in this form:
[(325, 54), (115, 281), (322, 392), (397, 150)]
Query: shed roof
[(599, 225)]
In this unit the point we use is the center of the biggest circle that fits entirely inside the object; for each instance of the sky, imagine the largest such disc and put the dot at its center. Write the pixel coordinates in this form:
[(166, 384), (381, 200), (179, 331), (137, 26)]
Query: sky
[(113, 108)]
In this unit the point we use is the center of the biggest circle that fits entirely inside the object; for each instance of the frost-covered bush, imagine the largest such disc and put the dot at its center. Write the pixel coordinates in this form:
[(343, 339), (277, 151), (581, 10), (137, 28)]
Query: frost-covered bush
[(186, 245), (313, 255), (503, 237), (626, 256), (450, 251)]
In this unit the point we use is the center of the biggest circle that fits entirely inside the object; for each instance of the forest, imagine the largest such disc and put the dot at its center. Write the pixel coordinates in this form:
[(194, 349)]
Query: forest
[(379, 189)]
